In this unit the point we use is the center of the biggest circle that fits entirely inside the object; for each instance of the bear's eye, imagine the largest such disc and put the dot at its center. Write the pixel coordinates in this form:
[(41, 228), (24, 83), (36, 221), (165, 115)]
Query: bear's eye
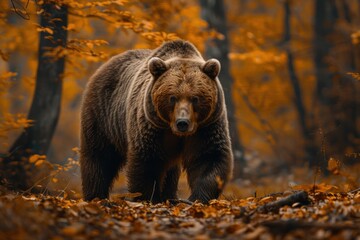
[(172, 99), (195, 100)]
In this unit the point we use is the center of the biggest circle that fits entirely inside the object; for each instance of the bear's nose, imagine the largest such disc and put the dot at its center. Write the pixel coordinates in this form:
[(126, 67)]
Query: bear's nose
[(182, 124)]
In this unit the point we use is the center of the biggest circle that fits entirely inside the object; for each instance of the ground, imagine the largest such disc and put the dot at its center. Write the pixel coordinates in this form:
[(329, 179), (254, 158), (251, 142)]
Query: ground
[(287, 215)]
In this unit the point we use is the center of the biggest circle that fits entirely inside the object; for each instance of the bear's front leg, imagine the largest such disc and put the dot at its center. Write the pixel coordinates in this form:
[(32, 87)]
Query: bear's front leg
[(144, 176), (169, 189), (208, 174)]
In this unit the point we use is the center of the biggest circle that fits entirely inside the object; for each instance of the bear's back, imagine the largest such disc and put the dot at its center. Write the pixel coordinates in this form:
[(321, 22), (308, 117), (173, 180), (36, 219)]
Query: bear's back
[(176, 49), (118, 68)]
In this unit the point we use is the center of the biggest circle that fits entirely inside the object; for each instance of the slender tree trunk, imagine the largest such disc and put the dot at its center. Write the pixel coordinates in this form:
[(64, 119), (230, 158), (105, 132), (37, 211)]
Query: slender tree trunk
[(324, 23), (45, 107), (325, 18), (213, 11), (306, 130)]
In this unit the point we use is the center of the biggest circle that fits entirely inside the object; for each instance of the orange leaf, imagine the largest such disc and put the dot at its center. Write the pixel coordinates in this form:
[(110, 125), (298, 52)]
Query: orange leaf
[(34, 158), (334, 166), (40, 162)]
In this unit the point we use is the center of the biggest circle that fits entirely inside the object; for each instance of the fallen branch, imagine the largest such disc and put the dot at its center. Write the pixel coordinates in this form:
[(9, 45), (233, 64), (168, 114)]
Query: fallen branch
[(298, 197), (355, 190), (290, 225)]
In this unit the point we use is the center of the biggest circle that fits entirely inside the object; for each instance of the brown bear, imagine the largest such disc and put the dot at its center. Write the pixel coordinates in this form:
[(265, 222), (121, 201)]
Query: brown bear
[(157, 111)]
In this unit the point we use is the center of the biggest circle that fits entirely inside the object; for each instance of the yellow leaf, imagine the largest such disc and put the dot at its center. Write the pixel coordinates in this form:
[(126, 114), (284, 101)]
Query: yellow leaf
[(92, 209), (334, 166), (90, 45), (176, 211), (71, 27), (73, 229), (43, 29), (40, 162), (34, 158), (265, 199), (76, 149), (40, 12)]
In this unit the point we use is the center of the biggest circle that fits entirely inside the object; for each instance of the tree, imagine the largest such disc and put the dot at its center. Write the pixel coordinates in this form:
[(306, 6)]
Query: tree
[(310, 147), (45, 107), (335, 91), (213, 11)]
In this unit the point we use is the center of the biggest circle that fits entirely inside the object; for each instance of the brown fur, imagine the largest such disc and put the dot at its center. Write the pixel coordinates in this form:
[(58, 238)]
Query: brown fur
[(158, 111)]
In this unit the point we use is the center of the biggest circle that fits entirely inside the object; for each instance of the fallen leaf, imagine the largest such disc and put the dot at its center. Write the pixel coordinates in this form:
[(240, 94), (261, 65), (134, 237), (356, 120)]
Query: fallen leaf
[(73, 229)]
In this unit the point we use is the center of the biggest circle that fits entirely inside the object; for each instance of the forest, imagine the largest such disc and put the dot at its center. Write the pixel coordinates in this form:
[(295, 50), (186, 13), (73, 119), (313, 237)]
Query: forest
[(290, 71)]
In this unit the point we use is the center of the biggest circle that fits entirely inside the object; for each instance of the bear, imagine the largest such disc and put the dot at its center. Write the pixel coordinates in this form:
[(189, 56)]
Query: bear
[(156, 113)]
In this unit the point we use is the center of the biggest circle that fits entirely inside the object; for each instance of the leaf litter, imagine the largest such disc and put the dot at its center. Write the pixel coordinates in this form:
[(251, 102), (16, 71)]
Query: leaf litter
[(298, 214)]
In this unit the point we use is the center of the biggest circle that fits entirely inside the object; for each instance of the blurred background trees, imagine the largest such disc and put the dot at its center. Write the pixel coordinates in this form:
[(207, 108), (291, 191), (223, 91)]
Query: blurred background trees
[(214, 14), (290, 70)]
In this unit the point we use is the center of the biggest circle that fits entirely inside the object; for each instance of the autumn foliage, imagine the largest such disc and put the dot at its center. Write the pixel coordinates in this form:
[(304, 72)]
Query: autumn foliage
[(295, 69)]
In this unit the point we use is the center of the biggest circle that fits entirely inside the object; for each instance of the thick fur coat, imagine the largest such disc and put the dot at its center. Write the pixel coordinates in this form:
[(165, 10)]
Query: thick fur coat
[(158, 111)]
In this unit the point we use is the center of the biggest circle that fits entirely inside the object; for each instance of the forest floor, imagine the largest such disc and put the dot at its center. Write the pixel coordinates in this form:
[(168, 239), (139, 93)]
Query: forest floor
[(281, 206), (287, 215)]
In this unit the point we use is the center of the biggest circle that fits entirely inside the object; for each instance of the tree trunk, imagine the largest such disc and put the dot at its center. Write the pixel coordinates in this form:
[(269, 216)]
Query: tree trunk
[(356, 61), (45, 107), (356, 47), (325, 18), (310, 145), (335, 92), (213, 11)]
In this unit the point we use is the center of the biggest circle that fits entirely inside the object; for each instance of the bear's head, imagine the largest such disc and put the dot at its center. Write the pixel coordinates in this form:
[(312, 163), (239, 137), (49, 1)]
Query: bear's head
[(184, 92)]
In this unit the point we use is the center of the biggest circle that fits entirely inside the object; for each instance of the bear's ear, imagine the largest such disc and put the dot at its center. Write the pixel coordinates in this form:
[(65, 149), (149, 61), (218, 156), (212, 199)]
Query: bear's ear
[(212, 68), (156, 66)]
